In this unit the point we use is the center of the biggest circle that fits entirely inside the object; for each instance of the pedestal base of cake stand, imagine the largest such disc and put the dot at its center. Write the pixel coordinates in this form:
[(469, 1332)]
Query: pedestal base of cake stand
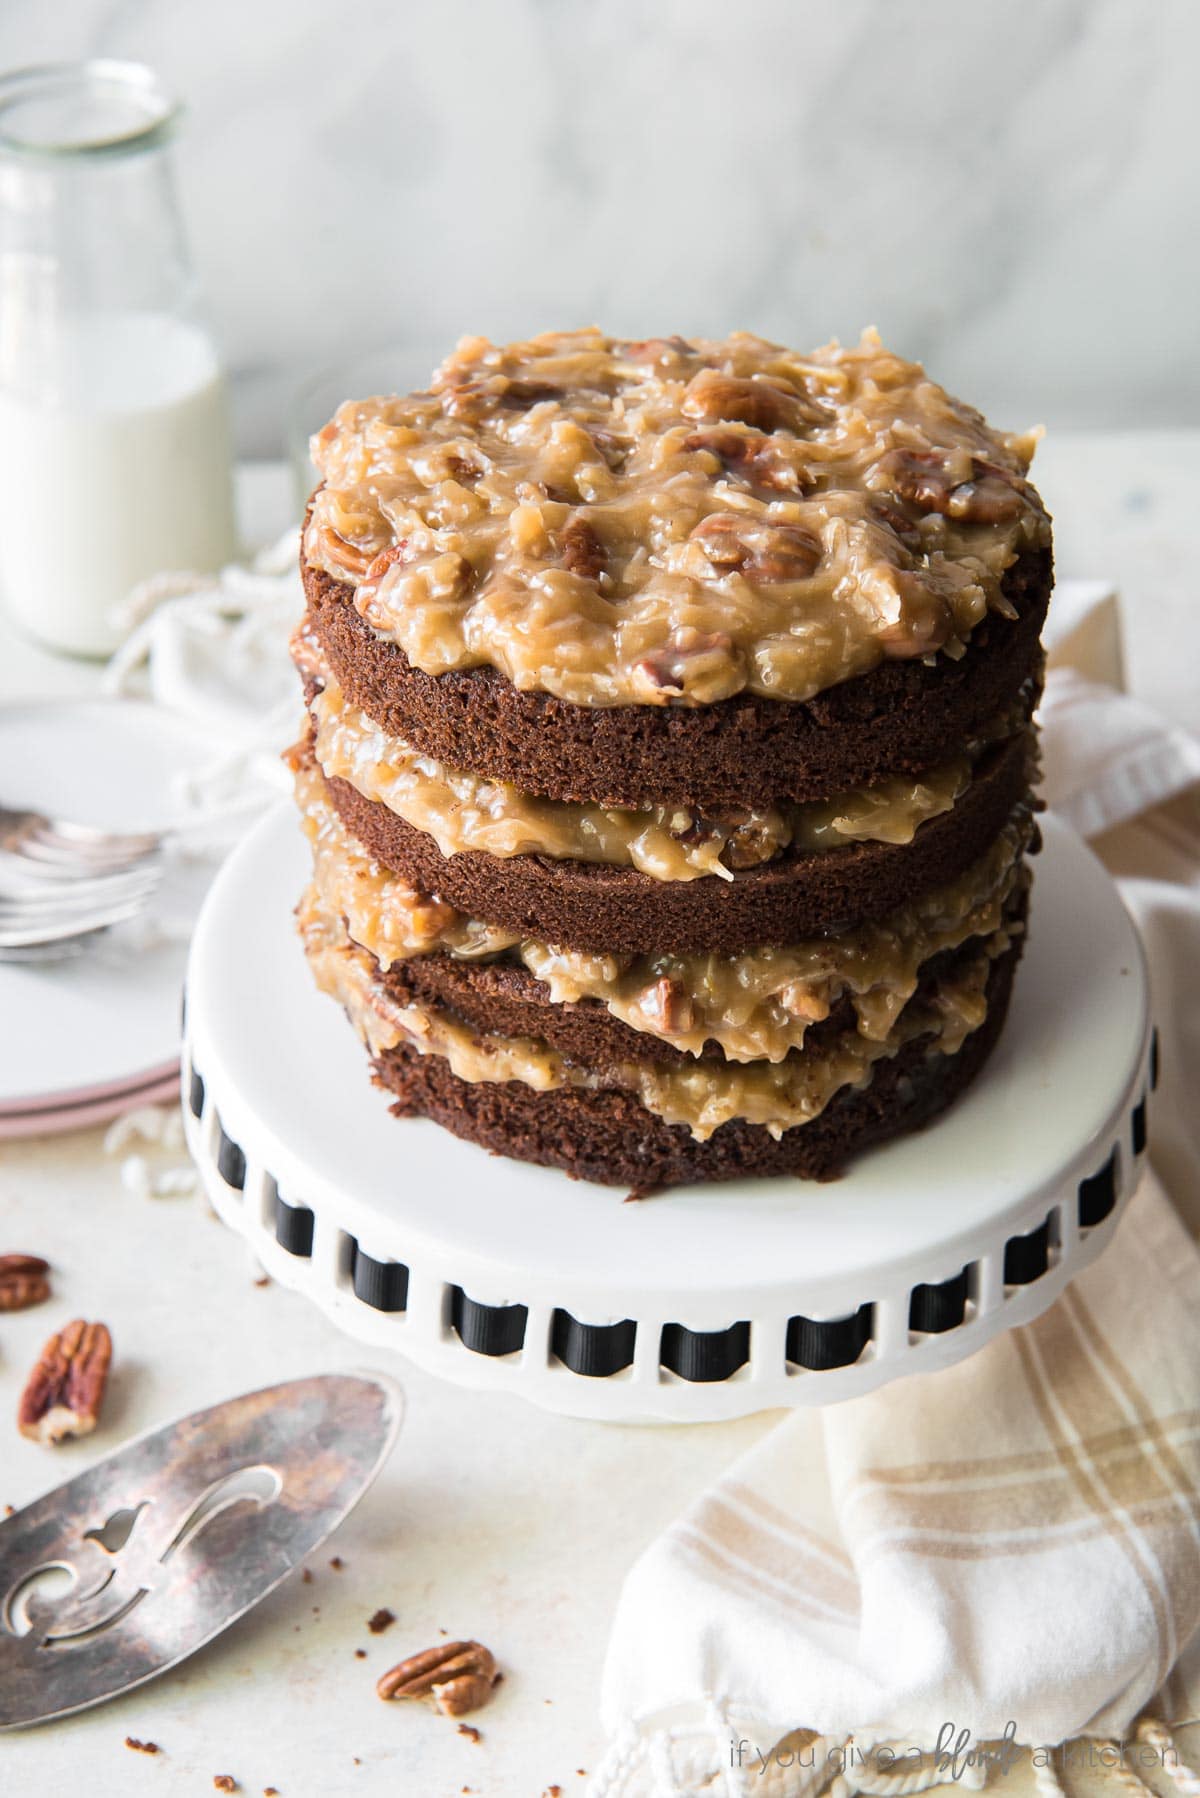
[(709, 1301)]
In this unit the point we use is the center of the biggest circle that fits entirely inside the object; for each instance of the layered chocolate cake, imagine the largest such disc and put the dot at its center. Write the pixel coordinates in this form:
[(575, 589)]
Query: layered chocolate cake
[(669, 751)]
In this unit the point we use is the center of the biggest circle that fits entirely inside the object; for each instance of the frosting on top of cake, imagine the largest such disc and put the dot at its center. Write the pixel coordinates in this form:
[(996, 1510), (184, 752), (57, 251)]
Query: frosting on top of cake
[(671, 521)]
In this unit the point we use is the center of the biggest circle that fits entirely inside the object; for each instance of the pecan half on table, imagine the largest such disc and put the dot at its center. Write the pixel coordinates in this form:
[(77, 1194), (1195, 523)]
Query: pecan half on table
[(23, 1281), (458, 1676), (66, 1389)]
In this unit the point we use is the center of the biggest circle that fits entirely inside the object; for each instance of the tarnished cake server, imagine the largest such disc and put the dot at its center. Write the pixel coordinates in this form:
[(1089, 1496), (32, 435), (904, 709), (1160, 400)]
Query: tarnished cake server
[(133, 1565)]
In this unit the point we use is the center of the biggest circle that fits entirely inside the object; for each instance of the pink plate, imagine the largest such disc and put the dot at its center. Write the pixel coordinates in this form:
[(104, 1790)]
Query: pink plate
[(115, 1090), (55, 1120)]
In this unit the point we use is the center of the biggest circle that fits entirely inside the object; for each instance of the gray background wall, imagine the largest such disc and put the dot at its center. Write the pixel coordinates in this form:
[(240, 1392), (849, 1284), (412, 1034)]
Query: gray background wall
[(1008, 188)]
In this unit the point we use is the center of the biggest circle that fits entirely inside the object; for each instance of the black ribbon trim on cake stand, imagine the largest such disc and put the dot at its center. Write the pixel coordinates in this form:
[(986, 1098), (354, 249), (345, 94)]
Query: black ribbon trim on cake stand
[(1098, 1194), (1026, 1258), (933, 1309), (704, 1355), (381, 1284), (487, 1329), (594, 1350), (1137, 1127), (293, 1227), (231, 1163), (823, 1343)]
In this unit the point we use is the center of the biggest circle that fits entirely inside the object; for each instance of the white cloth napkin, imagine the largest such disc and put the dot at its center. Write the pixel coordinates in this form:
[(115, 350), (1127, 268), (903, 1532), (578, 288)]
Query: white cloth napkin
[(1010, 1547), (213, 648)]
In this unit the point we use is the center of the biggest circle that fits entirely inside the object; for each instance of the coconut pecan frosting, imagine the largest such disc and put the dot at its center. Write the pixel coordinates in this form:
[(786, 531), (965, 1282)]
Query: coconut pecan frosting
[(672, 521)]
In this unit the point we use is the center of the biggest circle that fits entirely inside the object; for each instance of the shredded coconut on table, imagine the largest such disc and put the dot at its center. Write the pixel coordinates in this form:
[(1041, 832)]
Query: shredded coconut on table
[(159, 1128)]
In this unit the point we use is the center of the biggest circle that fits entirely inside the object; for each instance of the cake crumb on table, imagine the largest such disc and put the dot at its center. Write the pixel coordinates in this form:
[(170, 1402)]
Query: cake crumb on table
[(382, 1619), (360, 1654), (337, 1563), (469, 1730), (225, 1782), (142, 1747)]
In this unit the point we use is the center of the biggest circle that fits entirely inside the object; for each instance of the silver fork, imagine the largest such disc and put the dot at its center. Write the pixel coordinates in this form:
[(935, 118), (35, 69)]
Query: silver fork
[(58, 845), (35, 917), (67, 882)]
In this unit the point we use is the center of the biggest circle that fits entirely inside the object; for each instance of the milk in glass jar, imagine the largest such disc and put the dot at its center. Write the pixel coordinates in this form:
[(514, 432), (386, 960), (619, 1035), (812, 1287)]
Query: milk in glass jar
[(114, 432)]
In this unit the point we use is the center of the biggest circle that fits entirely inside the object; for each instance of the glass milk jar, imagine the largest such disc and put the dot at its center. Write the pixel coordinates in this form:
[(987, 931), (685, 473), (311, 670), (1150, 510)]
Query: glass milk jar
[(114, 433)]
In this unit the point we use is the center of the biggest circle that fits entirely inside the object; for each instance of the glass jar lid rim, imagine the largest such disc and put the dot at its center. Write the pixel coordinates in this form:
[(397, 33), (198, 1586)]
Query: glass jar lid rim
[(150, 118)]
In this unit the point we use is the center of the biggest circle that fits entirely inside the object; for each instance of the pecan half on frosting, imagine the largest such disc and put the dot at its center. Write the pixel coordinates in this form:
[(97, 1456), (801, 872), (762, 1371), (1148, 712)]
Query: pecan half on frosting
[(66, 1389), (582, 551), (458, 1676), (749, 837), (669, 1007), (992, 495), (751, 457), (23, 1281), (668, 671), (757, 400), (757, 548)]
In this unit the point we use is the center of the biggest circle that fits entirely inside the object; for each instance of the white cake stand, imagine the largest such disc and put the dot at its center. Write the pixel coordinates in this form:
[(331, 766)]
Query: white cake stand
[(707, 1302)]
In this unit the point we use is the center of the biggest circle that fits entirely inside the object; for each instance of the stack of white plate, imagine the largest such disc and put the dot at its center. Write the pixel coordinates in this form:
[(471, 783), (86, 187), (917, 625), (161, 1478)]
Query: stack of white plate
[(85, 1039)]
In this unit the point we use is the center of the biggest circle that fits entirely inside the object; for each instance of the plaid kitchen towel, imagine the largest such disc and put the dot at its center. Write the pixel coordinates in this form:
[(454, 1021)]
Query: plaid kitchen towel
[(1008, 1547), (1005, 1552)]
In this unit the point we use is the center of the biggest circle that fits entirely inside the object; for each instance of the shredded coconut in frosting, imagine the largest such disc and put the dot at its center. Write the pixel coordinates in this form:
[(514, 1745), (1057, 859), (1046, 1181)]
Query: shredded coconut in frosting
[(463, 811), (703, 1095), (757, 1005), (672, 522)]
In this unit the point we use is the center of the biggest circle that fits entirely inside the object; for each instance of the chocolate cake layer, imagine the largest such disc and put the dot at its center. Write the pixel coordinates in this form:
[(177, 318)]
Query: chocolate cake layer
[(901, 717), (586, 905), (504, 999), (609, 1137)]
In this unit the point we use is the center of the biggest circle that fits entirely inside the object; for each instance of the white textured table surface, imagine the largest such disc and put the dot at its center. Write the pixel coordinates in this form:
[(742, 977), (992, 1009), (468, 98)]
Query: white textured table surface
[(492, 1520)]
